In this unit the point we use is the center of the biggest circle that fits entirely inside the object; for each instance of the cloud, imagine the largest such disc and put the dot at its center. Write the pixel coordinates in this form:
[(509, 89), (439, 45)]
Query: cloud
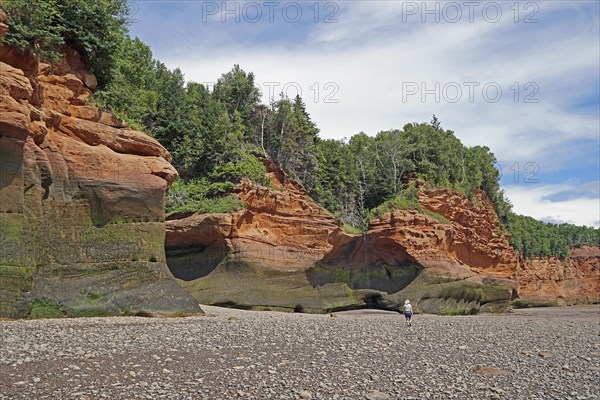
[(580, 206), (371, 56)]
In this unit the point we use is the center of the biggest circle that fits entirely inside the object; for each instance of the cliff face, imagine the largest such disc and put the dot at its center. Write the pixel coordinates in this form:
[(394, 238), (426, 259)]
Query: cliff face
[(478, 239), (81, 198), (465, 263), (256, 257), (286, 252), (551, 280)]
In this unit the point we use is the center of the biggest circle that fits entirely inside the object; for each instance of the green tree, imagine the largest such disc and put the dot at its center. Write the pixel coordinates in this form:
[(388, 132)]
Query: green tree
[(94, 28), (237, 91), (131, 93), (34, 26)]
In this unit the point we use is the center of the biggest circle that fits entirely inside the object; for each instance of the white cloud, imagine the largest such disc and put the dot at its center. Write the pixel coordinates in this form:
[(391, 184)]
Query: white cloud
[(371, 75), (534, 200)]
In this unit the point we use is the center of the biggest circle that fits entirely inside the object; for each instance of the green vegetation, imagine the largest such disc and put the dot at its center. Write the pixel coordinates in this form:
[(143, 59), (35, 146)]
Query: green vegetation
[(213, 135), (366, 176), (193, 196), (532, 238), (94, 28), (407, 200), (474, 293), (351, 229), (45, 308), (91, 295), (458, 311)]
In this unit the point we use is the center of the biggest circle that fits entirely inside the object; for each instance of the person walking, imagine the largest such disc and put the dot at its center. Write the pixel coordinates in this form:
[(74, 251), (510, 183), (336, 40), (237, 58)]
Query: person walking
[(408, 313)]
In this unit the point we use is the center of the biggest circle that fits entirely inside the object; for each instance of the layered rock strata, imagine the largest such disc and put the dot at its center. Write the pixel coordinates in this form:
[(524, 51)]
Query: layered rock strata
[(284, 251), (81, 199)]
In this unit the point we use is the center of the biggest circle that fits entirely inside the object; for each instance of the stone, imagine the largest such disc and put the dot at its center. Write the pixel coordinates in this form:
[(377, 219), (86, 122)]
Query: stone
[(81, 202), (377, 395), (488, 370), (305, 395)]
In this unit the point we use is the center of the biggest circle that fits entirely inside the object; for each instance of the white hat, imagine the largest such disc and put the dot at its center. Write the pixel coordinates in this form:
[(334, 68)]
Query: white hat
[(406, 302)]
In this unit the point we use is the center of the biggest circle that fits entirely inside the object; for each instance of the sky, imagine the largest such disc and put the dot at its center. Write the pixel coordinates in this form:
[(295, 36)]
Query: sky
[(521, 77)]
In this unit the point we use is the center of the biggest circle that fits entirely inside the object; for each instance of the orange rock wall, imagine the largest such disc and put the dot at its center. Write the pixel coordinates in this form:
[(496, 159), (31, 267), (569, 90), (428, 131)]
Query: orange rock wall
[(284, 231), (551, 279), (281, 229), (81, 197), (477, 238)]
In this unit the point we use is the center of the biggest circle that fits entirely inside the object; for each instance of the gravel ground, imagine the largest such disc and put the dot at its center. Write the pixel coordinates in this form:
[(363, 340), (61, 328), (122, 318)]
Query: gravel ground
[(527, 354)]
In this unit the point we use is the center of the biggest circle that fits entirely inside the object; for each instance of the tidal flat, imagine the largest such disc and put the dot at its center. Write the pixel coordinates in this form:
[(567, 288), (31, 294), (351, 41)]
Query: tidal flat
[(541, 353)]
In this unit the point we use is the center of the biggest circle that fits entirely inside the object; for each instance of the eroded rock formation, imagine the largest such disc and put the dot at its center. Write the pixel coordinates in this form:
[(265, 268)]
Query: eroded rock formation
[(258, 256), (286, 252), (551, 280), (81, 198)]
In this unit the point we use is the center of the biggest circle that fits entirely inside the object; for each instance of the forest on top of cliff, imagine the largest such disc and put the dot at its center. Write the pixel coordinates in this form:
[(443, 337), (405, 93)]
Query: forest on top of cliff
[(215, 134)]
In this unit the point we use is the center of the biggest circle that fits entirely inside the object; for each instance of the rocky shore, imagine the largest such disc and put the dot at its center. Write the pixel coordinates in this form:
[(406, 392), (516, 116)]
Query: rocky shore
[(551, 353)]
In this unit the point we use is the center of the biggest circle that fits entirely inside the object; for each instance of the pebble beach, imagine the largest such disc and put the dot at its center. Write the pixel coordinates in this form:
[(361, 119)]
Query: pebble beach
[(545, 353)]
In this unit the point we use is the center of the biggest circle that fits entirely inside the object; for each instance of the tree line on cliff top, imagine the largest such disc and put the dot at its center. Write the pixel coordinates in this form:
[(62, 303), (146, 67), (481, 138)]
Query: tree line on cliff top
[(215, 135)]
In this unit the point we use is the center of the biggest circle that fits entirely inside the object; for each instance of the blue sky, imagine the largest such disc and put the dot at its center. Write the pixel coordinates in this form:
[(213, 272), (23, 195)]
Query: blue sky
[(522, 78)]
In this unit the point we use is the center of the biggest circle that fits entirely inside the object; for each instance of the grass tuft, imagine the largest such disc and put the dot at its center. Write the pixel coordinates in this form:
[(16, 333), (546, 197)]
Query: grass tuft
[(45, 308)]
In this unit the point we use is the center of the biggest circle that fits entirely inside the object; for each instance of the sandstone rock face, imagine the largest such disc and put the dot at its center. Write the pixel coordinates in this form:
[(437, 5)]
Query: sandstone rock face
[(286, 252), (466, 263), (257, 257), (477, 238), (81, 201), (551, 280)]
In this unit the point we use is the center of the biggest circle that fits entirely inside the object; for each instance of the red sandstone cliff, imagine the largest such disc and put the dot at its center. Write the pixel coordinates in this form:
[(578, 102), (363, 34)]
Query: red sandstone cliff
[(551, 280), (257, 256), (285, 251), (81, 197)]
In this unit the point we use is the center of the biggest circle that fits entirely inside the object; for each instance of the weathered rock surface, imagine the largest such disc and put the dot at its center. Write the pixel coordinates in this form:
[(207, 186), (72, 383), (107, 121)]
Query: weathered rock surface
[(467, 262), (81, 201), (477, 239), (286, 252), (551, 280), (258, 256)]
